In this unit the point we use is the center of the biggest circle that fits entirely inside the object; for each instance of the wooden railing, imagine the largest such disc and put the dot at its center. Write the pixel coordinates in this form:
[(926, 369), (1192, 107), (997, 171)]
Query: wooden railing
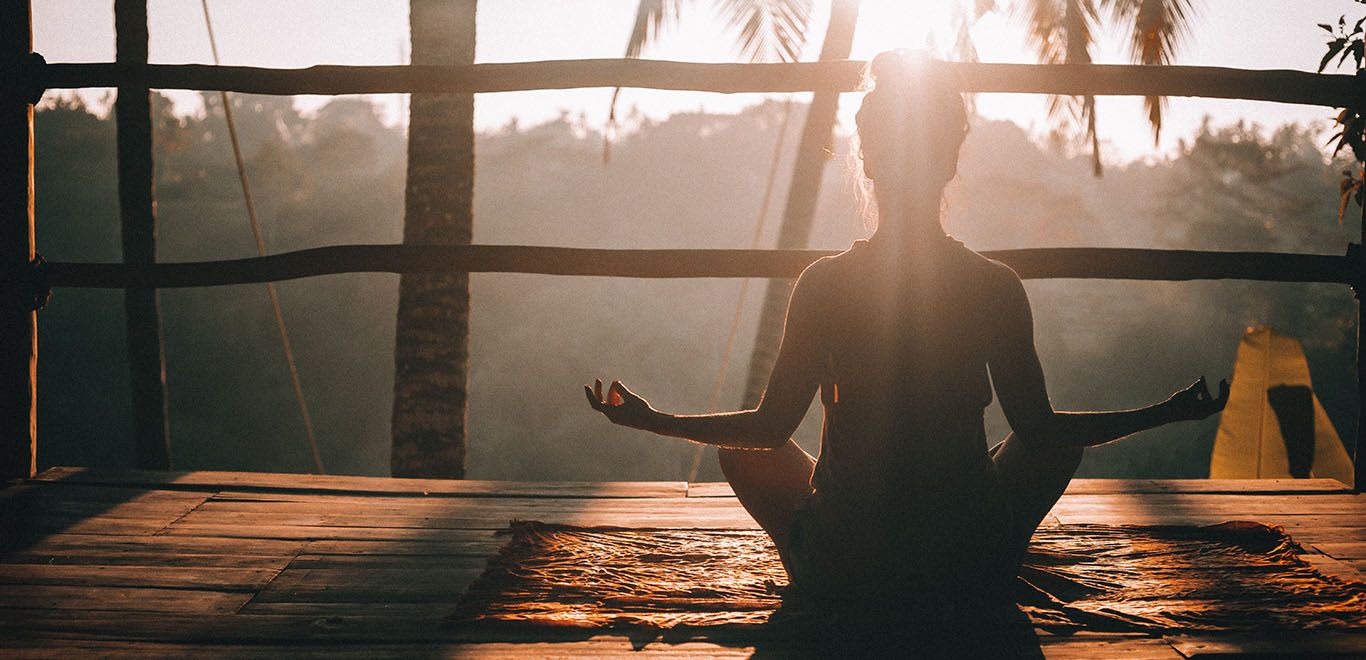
[(1037, 263), (26, 76), (1332, 90)]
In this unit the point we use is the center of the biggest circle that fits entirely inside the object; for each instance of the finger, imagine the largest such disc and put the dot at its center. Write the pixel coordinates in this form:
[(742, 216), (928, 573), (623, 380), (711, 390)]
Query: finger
[(597, 388), (592, 400), (1198, 390), (614, 396)]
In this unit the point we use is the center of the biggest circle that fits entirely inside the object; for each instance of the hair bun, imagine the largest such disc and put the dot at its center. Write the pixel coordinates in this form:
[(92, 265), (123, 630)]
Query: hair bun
[(914, 112), (894, 67)]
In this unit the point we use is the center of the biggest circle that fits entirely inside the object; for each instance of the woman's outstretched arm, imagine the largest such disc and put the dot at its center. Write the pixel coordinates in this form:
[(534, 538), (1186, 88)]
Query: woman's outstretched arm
[(793, 382), (1019, 382)]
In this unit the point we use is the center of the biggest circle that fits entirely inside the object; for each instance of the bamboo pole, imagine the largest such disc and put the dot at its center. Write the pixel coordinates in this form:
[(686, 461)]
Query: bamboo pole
[(137, 206), (1284, 86), (1036, 263), (18, 321)]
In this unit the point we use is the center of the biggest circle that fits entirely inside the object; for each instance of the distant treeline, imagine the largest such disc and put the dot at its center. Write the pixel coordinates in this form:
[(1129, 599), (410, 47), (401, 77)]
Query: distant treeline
[(694, 180)]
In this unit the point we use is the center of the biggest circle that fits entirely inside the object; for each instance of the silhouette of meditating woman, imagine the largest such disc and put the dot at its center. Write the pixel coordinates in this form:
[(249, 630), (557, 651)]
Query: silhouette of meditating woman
[(904, 335)]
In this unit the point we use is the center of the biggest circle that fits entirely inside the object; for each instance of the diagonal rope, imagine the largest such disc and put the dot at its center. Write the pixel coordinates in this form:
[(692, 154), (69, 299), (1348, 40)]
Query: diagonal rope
[(261, 251), (744, 284)]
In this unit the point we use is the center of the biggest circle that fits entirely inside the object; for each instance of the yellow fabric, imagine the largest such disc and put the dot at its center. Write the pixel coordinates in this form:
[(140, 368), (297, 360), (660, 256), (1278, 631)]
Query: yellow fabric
[(1249, 444)]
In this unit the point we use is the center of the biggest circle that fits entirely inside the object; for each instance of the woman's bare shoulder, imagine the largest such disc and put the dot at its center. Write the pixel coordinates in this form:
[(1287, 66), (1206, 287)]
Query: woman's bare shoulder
[(993, 281), (826, 267)]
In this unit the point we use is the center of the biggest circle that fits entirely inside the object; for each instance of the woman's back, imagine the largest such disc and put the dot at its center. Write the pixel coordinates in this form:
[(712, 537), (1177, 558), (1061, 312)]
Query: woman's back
[(905, 343)]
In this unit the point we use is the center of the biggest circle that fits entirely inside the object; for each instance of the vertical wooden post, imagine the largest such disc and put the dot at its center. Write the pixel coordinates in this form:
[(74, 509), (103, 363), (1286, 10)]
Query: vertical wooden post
[(1358, 461), (1358, 282), (18, 322), (137, 207)]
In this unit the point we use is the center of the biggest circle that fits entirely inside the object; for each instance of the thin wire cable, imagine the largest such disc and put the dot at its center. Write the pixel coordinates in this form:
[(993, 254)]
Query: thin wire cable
[(261, 250), (744, 284)]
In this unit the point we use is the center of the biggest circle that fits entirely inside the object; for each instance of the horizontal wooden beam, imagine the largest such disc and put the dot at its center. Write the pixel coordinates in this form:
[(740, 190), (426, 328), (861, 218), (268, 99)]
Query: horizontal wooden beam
[(1082, 263), (1333, 90)]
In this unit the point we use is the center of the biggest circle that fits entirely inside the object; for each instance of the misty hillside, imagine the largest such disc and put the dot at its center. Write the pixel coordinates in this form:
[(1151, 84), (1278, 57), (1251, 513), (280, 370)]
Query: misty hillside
[(694, 180)]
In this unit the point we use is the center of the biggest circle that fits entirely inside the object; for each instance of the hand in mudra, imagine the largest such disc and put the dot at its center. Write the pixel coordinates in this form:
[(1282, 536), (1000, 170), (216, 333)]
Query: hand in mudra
[(1196, 402), (620, 406)]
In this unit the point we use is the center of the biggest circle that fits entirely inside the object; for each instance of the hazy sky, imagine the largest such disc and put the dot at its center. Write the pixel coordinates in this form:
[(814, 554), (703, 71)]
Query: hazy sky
[(1242, 33)]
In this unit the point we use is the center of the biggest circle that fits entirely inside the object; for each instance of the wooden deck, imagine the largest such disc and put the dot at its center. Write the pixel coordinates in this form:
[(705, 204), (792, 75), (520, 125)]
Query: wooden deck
[(263, 565)]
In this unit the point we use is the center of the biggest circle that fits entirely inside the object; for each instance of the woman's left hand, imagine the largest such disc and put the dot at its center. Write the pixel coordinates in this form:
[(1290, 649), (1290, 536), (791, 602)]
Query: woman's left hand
[(620, 406), (1195, 402)]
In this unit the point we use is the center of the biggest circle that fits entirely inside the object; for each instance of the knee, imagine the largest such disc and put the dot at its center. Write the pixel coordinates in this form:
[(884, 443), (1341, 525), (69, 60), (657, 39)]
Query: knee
[(1015, 450), (1063, 458), (786, 469), (1070, 454), (735, 462)]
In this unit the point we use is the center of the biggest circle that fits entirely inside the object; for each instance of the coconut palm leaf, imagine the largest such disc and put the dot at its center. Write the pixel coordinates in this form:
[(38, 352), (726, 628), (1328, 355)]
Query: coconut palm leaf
[(964, 49), (768, 30), (651, 17), (1159, 26), (1062, 32)]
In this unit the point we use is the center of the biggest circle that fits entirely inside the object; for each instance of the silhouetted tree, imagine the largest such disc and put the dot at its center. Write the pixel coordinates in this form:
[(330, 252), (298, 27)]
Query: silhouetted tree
[(431, 350)]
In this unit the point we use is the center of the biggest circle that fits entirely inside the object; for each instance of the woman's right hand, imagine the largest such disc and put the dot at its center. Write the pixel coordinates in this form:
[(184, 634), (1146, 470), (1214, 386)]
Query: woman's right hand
[(1195, 402), (621, 406)]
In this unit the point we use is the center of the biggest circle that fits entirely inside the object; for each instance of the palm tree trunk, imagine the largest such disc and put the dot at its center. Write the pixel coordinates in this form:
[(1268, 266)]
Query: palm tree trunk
[(137, 211), (800, 212), (431, 346)]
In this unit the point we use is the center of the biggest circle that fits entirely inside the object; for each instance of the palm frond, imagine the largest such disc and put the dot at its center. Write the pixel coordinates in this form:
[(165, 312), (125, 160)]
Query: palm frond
[(1079, 21), (964, 48), (768, 30), (1159, 26), (1062, 32), (1089, 112), (651, 17), (1045, 32)]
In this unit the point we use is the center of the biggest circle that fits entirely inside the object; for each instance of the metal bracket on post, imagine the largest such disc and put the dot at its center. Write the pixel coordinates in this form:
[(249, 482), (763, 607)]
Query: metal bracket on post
[(28, 289), (24, 79), (1356, 265)]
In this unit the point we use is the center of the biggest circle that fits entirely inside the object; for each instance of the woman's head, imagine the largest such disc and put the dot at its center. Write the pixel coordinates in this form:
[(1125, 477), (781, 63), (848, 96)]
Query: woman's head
[(910, 127)]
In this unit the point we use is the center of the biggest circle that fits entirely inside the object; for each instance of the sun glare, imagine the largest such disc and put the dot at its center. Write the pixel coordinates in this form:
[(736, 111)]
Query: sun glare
[(933, 25), (888, 24)]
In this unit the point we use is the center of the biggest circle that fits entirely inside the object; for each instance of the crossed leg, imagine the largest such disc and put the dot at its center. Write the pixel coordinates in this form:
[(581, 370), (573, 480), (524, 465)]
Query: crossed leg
[(1033, 479), (770, 484)]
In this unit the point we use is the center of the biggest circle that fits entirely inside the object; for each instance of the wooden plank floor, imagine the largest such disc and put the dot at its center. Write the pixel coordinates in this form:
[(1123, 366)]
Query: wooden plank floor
[(223, 564)]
